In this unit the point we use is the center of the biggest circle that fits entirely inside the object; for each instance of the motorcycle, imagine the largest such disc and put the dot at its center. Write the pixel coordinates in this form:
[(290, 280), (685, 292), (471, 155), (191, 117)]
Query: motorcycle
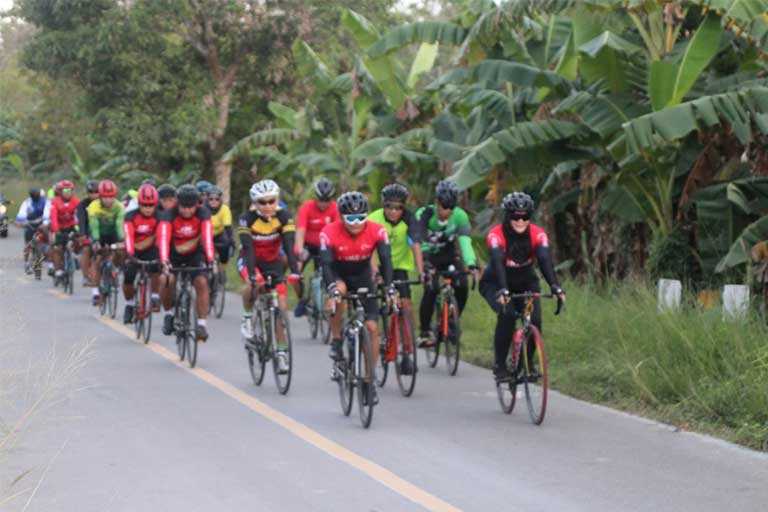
[(4, 216)]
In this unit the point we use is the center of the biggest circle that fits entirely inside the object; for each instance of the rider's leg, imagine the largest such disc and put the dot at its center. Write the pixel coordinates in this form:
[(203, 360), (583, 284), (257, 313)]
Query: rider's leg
[(167, 288), (57, 254), (85, 263), (336, 320), (461, 291), (203, 299), (427, 306)]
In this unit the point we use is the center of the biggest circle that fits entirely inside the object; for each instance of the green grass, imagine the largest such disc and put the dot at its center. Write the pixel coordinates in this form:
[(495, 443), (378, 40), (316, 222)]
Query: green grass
[(691, 369)]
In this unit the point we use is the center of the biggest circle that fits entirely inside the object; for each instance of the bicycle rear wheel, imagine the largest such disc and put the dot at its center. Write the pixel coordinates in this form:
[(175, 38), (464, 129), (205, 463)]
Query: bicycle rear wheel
[(365, 387), (104, 291), (385, 339), (69, 272), (257, 360), (453, 339), (220, 295), (147, 314), (192, 343), (112, 296), (182, 315), (282, 380), (406, 347), (534, 375)]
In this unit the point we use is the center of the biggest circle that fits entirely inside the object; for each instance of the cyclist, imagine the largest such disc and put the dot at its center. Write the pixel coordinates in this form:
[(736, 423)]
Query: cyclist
[(167, 194), (84, 242), (63, 222), (263, 230), (34, 214), (312, 217), (442, 226), (221, 220), (186, 240), (203, 186), (346, 248), (141, 243), (105, 220), (515, 245), (404, 235)]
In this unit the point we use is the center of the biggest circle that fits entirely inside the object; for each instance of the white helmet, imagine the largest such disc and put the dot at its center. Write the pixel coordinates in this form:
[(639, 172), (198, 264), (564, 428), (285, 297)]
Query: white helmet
[(264, 188)]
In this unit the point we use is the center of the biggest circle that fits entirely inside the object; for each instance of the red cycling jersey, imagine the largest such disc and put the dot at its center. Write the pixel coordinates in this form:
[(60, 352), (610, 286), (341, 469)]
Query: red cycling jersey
[(497, 240), (185, 236), (313, 220), (352, 253), (63, 213), (140, 231)]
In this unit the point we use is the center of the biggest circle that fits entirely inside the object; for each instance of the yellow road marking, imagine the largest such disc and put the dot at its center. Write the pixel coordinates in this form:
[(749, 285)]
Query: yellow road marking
[(370, 468), (58, 293)]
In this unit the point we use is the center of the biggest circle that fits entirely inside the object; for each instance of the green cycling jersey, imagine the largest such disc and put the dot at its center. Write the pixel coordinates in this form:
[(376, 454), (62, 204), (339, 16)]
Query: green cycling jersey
[(439, 237), (402, 236), (106, 221)]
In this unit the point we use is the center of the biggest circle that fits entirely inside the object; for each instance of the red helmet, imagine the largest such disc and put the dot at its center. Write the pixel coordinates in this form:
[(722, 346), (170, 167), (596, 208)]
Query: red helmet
[(63, 184), (148, 195), (107, 188)]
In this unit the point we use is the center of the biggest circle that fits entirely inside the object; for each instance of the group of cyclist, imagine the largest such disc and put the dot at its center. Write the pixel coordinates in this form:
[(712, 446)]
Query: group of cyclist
[(188, 227)]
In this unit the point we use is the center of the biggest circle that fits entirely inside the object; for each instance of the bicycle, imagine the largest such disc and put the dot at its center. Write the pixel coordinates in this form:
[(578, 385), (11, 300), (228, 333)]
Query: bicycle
[(264, 345), (35, 255), (218, 289), (447, 327), (67, 280), (108, 287), (397, 342), (355, 369), (184, 307), (142, 315), (316, 313), (533, 374)]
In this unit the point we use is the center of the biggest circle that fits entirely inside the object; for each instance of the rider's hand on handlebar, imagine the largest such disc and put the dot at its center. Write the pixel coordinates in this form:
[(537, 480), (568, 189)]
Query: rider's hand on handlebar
[(560, 294), (502, 296), (96, 246)]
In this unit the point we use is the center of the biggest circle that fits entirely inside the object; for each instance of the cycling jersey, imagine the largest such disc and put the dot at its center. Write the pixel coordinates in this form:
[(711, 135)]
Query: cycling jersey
[(183, 237), (402, 236), (512, 257), (140, 231), (267, 236), (221, 219), (34, 212), (105, 222), (439, 237), (64, 213), (344, 254), (313, 220)]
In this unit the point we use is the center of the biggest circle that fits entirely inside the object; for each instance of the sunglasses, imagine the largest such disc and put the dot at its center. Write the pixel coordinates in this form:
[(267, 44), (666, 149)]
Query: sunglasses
[(444, 207), (393, 206), (265, 202), (520, 216), (355, 218), (66, 191)]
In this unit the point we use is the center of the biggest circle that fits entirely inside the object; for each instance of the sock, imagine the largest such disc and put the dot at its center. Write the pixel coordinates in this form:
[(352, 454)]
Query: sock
[(129, 302), (156, 296), (247, 314), (201, 321), (94, 291)]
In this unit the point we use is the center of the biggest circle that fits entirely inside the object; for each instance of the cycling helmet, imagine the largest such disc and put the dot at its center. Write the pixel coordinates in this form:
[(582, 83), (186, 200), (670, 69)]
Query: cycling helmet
[(188, 196), (65, 185), (107, 188), (394, 192), (324, 189), (34, 193), (166, 190), (202, 186), (352, 202), (148, 195), (447, 193), (264, 188), (215, 191), (517, 202), (92, 186), (149, 181)]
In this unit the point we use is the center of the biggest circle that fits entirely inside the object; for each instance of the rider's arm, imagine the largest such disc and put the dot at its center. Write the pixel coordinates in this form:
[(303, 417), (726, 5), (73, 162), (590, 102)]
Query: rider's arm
[(21, 217), (54, 217), (47, 213), (497, 248), (326, 259), (301, 230), (82, 218), (414, 239), (246, 242), (164, 238), (206, 229), (93, 220), (463, 230), (540, 243), (119, 221), (385, 256), (130, 234), (288, 232)]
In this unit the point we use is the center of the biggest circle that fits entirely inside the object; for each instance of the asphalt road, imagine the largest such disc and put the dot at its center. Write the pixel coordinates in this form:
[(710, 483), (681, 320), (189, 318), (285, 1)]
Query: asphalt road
[(134, 430)]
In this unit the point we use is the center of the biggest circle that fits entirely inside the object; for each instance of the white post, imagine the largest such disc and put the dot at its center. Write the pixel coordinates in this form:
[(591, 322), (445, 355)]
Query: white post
[(735, 301), (670, 294)]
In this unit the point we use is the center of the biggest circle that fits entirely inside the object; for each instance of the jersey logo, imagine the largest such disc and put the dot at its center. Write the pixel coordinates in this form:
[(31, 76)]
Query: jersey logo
[(185, 231)]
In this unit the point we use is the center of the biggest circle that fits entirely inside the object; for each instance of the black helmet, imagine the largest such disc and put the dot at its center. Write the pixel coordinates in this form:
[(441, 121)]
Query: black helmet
[(395, 192), (188, 196), (517, 202), (34, 192), (215, 191), (92, 186), (447, 193), (324, 189), (203, 186), (352, 202), (166, 190)]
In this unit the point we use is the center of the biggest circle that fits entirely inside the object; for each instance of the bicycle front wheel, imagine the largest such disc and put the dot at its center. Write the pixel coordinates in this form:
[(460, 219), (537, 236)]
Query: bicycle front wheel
[(344, 375), (220, 296), (534, 375), (387, 337), (452, 338), (257, 360), (507, 390), (284, 349), (406, 350), (365, 380), (192, 343)]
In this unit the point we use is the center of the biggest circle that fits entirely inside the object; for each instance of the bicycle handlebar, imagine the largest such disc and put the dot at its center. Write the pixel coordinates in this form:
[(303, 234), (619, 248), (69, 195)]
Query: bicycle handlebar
[(536, 295)]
